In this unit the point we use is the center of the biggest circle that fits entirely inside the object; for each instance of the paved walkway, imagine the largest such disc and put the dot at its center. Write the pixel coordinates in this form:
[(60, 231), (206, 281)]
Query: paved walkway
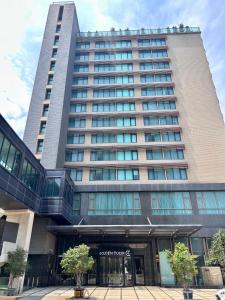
[(128, 293)]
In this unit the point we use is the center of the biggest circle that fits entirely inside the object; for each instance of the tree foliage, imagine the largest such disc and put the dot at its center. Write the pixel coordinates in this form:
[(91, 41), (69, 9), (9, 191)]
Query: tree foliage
[(16, 264), (183, 264), (216, 254), (76, 261)]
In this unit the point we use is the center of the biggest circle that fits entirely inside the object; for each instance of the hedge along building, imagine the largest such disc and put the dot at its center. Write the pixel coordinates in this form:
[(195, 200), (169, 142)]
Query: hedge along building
[(133, 117)]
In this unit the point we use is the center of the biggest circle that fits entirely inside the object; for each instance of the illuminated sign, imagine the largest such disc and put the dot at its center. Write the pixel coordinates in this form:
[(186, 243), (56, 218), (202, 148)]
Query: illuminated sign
[(115, 253)]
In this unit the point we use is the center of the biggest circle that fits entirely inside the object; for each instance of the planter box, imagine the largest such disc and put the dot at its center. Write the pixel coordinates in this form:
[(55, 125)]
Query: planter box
[(78, 293), (212, 276)]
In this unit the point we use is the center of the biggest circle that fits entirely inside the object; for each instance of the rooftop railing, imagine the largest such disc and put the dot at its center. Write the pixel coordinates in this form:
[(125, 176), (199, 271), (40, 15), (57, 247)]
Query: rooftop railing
[(142, 31)]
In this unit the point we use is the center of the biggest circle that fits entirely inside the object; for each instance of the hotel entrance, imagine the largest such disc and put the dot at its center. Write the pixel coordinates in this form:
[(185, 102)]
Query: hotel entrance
[(115, 268)]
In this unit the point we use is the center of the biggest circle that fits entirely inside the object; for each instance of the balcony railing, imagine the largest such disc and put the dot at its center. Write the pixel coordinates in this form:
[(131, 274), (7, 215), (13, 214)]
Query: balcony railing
[(113, 32)]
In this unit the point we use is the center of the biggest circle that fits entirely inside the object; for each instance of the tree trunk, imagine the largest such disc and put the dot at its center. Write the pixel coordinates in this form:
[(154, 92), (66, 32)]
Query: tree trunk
[(78, 277), (11, 278)]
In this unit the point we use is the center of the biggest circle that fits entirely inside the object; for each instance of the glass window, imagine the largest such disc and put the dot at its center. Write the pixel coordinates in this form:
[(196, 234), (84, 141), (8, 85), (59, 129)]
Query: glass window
[(211, 203), (52, 66), (151, 42), (81, 68), (79, 94), (54, 53), (167, 174), (40, 145), (29, 175), (74, 155), (154, 65), (80, 80), (82, 56), (76, 174), (53, 186), (58, 28), (45, 110), (171, 203), (77, 123), (56, 40), (76, 203), (155, 78), (157, 91), (48, 94), (10, 157), (152, 53), (114, 203), (79, 107), (153, 137), (50, 79), (42, 127), (106, 93), (114, 174), (163, 120), (76, 138), (83, 45)]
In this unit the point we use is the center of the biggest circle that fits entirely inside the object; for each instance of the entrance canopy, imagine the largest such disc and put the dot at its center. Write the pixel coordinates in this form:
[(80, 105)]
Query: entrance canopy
[(141, 230)]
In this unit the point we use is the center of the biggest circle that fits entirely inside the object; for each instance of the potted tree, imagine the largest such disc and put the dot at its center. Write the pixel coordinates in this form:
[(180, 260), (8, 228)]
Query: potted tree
[(215, 262), (76, 261), (183, 265), (16, 266)]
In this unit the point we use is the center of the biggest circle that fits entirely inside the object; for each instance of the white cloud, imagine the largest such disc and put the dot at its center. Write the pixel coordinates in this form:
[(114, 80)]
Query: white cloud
[(17, 18)]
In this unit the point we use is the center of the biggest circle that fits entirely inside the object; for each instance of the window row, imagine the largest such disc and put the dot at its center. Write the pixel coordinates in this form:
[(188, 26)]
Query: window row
[(123, 79), (114, 203), (84, 56), (10, 157), (101, 174), (113, 122), (120, 106), (113, 174), (167, 174), (160, 203), (122, 43), (120, 122), (108, 155), (152, 53), (162, 120), (113, 44), (169, 136), (11, 160), (99, 138), (111, 107), (108, 93), (104, 155), (159, 105), (122, 67), (147, 78), (151, 42), (164, 153)]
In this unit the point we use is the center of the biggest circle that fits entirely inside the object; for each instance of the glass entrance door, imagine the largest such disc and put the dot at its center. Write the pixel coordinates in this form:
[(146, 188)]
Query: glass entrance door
[(139, 270), (115, 271)]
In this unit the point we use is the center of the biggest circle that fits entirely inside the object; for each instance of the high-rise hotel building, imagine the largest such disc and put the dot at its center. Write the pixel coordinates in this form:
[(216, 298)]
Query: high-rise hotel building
[(134, 118)]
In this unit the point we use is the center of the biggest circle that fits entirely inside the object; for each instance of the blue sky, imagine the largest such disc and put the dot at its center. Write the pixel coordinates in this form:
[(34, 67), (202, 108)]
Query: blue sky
[(22, 25)]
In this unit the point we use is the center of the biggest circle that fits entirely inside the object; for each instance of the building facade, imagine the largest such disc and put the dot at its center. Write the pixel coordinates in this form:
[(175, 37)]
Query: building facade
[(133, 117)]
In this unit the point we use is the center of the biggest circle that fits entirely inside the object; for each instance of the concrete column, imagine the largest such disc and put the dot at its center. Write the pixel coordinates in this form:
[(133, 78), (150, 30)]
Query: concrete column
[(25, 220)]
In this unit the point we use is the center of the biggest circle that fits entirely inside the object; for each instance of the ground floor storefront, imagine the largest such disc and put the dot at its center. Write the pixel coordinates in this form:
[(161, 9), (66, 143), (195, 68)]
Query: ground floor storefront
[(120, 261)]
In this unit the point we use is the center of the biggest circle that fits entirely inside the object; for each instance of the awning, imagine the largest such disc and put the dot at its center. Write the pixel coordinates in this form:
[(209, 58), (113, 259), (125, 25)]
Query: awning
[(128, 230)]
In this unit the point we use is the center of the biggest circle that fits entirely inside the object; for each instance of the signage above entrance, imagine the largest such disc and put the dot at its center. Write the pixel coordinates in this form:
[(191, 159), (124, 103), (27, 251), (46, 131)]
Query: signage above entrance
[(115, 253)]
